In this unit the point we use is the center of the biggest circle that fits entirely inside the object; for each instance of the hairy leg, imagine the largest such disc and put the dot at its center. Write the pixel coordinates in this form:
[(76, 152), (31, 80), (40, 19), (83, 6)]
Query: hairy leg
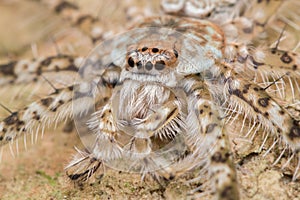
[(209, 145), (247, 99)]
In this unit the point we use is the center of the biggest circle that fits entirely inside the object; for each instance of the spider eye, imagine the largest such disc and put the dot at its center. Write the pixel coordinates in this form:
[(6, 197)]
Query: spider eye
[(144, 48), (160, 65), (130, 62), (155, 50), (149, 66), (176, 53)]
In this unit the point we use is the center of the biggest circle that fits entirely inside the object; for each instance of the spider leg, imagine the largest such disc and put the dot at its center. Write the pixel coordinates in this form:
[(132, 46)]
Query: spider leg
[(32, 71), (263, 110), (62, 104), (86, 163), (26, 71), (202, 9), (83, 167), (51, 109), (275, 70), (90, 25), (260, 23), (250, 25), (208, 141), (272, 65)]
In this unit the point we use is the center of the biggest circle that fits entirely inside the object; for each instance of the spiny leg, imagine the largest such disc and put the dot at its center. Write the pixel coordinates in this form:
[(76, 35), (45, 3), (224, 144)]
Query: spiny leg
[(88, 24), (275, 70), (281, 67), (105, 148), (246, 98), (62, 104), (57, 106), (209, 146), (249, 26), (273, 64), (32, 71), (26, 71)]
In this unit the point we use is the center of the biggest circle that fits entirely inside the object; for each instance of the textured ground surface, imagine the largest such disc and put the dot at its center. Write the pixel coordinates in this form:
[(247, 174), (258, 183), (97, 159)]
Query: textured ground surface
[(37, 173)]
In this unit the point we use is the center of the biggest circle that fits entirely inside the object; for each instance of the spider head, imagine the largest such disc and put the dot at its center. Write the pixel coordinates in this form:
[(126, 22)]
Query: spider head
[(151, 60)]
